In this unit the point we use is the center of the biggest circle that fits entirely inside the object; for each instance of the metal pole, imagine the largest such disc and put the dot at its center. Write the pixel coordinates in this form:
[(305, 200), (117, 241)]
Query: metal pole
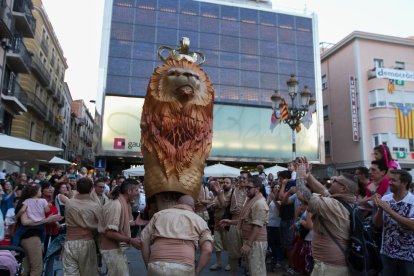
[(293, 144)]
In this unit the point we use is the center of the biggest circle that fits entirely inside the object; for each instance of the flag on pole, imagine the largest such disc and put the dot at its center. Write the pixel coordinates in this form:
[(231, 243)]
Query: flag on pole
[(405, 121), (274, 120), (285, 113), (307, 120), (391, 86)]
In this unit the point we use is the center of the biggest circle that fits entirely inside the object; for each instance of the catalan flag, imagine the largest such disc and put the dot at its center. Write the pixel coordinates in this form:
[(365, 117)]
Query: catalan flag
[(285, 112), (405, 121), (391, 86)]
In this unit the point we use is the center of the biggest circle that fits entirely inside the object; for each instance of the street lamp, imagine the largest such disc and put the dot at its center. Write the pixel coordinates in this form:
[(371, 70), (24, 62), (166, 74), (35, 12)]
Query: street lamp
[(293, 114)]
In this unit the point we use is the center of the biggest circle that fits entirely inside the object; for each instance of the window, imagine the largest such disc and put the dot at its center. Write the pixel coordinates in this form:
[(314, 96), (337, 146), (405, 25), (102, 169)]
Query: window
[(327, 148), (399, 65), (325, 112), (324, 82), (378, 63), (32, 131), (377, 98), (411, 144), (380, 138)]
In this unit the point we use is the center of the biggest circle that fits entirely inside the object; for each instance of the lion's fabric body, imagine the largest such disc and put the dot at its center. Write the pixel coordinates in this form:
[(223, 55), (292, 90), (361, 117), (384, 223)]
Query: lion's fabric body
[(176, 128)]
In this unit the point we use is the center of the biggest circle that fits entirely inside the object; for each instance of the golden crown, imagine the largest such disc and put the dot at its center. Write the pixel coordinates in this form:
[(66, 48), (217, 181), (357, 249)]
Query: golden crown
[(182, 52)]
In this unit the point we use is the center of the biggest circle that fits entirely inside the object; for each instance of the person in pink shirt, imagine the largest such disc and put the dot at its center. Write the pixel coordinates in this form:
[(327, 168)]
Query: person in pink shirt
[(382, 153), (35, 206)]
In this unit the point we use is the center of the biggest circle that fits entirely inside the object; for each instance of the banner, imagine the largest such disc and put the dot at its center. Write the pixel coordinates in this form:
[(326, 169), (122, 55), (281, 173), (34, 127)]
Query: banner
[(354, 109), (405, 121), (400, 75)]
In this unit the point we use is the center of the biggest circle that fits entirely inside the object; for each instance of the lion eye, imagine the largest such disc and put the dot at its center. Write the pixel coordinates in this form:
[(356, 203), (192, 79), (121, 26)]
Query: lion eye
[(173, 73)]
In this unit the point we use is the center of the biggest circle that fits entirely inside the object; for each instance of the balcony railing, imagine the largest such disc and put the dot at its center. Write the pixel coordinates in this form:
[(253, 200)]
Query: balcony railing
[(18, 57), (39, 69), (52, 89), (15, 97), (36, 104), (24, 21), (6, 20)]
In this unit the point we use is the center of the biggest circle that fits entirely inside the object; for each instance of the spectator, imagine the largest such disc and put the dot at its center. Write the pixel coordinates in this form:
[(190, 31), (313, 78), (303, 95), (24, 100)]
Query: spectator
[(273, 228), (8, 198), (382, 153), (396, 216), (362, 175), (98, 194), (325, 207), (29, 235), (60, 198)]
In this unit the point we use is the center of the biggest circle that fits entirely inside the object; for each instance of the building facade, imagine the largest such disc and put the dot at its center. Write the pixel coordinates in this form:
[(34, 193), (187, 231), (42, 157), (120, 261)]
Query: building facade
[(65, 117), (250, 50), (82, 127), (367, 80), (17, 24), (43, 84)]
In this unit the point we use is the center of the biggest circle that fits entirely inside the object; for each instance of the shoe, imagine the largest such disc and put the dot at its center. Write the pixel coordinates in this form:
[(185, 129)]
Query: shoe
[(215, 267), (291, 271), (277, 266), (227, 268)]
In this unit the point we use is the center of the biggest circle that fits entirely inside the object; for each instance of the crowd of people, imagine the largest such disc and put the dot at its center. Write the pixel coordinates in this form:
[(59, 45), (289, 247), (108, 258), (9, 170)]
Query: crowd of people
[(290, 222)]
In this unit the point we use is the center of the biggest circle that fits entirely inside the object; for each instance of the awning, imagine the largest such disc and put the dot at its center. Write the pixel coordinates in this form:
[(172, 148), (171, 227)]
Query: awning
[(59, 161), (220, 170), (17, 149)]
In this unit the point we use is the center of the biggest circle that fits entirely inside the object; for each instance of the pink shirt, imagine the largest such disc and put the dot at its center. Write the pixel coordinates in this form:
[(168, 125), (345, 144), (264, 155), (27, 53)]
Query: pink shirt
[(35, 208)]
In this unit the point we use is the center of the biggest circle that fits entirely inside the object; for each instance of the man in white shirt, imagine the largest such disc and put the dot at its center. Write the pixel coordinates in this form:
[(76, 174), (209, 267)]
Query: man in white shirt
[(396, 215)]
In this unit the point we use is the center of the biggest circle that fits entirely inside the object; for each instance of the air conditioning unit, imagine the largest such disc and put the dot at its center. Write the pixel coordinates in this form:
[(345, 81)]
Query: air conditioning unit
[(372, 74)]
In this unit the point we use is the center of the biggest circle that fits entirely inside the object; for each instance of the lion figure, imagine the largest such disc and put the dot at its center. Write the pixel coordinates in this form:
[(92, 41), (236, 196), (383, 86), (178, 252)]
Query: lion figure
[(176, 131)]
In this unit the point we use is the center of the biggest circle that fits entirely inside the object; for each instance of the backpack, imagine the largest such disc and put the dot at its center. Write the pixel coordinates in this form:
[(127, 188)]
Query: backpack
[(362, 255)]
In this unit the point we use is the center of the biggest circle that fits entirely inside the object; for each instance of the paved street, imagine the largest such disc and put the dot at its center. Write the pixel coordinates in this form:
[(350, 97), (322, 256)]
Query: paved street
[(137, 267), (136, 264)]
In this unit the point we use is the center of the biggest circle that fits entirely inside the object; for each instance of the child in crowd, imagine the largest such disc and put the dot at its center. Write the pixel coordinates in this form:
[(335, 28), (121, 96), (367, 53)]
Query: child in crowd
[(382, 153), (35, 206)]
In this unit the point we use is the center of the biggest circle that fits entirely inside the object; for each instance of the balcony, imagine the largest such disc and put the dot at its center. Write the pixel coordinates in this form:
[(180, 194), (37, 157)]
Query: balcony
[(44, 46), (372, 74), (61, 99), (52, 89), (18, 58), (59, 126), (37, 105), (25, 23), (6, 20), (14, 97), (40, 71)]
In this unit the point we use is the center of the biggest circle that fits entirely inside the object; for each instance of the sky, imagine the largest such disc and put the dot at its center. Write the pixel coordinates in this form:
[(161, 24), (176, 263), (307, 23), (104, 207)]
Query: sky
[(78, 26)]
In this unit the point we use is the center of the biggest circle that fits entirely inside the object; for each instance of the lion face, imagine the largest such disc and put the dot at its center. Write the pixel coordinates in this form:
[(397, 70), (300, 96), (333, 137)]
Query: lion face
[(182, 82)]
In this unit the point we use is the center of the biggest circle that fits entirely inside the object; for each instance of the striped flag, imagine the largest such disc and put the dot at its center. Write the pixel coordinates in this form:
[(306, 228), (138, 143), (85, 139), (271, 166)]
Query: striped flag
[(285, 112), (391, 86), (405, 121)]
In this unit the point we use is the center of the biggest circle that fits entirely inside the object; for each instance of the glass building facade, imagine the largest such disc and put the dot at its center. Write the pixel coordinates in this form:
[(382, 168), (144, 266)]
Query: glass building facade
[(249, 53)]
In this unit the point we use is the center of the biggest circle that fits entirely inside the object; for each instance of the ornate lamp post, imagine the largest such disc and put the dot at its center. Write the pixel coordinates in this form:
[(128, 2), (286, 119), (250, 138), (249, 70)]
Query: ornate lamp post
[(296, 111)]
